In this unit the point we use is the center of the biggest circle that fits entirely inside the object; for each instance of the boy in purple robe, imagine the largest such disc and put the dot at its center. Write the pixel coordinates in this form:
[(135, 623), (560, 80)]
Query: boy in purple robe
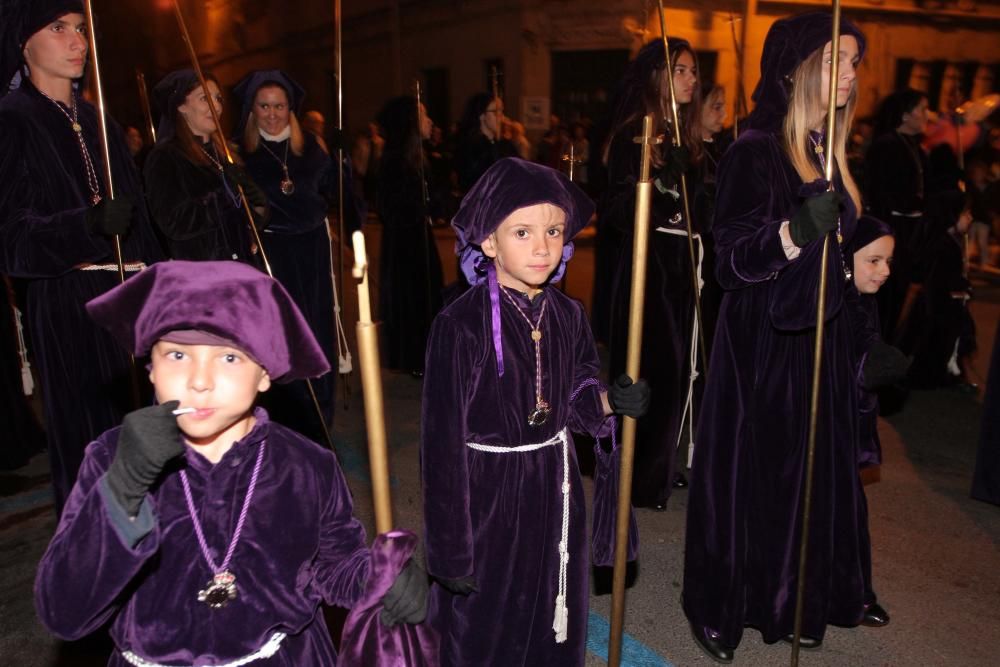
[(207, 534), (510, 370)]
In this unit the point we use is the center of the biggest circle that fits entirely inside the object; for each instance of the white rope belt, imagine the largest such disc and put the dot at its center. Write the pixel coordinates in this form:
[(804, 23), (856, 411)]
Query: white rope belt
[(266, 651), (560, 623), (689, 402), (130, 267)]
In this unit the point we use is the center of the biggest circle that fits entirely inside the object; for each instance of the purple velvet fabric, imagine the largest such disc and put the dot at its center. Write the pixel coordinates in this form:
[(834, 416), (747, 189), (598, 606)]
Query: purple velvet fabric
[(745, 498), (300, 547), (866, 332), (607, 467), (219, 298), (496, 517), (44, 200), (365, 640)]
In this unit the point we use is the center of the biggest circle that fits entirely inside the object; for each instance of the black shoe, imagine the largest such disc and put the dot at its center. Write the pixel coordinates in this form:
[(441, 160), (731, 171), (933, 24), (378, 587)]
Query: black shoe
[(710, 643), (805, 642), (680, 481), (875, 616)]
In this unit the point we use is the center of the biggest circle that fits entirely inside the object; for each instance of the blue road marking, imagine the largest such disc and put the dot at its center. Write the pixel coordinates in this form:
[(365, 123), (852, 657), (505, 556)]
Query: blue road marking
[(634, 652)]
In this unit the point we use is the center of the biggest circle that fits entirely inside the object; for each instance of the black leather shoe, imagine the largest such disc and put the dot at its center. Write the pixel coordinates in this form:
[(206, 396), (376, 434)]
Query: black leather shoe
[(680, 481), (805, 642), (875, 616), (709, 642)]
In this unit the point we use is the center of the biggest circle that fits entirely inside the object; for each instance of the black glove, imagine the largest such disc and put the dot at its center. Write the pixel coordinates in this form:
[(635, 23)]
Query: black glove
[(884, 365), (816, 218), (110, 217), (149, 438), (406, 599), (237, 176), (676, 160), (628, 398), (460, 586)]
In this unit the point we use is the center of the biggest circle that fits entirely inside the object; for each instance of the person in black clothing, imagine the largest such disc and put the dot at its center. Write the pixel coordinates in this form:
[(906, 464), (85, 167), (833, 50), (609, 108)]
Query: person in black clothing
[(895, 185), (479, 141), (193, 191)]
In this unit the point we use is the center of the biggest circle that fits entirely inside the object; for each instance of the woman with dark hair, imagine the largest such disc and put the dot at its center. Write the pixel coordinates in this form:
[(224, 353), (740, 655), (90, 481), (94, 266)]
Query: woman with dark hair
[(410, 272), (479, 139), (669, 308), (300, 181), (773, 210), (192, 190), (895, 182)]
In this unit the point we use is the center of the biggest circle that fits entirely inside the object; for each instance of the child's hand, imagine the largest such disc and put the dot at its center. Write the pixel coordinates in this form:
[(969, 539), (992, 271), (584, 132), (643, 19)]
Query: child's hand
[(628, 398), (406, 599), (149, 438)]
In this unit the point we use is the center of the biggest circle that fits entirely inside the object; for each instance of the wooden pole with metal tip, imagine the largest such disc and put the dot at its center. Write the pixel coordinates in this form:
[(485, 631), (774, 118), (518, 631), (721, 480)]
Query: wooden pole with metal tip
[(637, 299), (109, 183), (676, 136), (371, 385), (831, 118), (147, 110)]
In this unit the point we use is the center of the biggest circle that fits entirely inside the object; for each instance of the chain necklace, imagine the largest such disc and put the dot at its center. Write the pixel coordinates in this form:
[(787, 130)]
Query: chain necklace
[(222, 587), (818, 149), (212, 158), (287, 184), (74, 121), (540, 414)]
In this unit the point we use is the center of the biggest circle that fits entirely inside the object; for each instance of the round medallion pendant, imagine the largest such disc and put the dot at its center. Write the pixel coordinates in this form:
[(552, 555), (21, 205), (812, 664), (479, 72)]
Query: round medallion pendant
[(219, 591), (287, 186), (539, 415)]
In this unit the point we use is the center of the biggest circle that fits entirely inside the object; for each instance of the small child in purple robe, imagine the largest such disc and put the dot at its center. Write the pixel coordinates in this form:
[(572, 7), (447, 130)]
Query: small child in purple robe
[(206, 533), (510, 370)]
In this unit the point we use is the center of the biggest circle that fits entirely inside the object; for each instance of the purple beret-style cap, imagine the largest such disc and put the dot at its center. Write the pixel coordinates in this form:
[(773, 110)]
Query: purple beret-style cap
[(229, 300), (868, 229), (788, 43), (511, 184)]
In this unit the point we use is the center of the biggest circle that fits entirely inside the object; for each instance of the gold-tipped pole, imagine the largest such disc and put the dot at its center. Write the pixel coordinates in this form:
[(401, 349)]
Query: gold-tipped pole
[(109, 183), (676, 135), (243, 195), (371, 385), (637, 299), (831, 120), (147, 109), (740, 103)]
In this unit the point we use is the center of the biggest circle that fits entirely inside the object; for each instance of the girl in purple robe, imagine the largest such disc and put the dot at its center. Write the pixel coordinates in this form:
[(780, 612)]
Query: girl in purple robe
[(669, 306), (511, 368), (205, 533), (772, 212)]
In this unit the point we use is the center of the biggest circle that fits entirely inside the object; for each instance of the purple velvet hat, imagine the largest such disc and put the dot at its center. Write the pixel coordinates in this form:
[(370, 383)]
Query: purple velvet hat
[(246, 91), (230, 301), (868, 229), (511, 184), (19, 20), (788, 43)]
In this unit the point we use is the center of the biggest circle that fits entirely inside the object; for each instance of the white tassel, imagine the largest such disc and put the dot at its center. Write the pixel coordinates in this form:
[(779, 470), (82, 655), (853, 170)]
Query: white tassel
[(27, 382), (561, 620)]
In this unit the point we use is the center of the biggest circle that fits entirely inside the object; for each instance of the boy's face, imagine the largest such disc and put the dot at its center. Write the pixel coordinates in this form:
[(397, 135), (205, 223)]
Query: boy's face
[(221, 382), (871, 264), (527, 246), (59, 50)]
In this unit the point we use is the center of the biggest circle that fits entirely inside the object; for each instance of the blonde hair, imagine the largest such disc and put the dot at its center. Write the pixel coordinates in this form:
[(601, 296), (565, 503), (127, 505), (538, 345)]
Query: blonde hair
[(251, 134), (804, 108)]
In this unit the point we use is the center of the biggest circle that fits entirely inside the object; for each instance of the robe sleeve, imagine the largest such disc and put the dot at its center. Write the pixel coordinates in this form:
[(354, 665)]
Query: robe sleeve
[(180, 210), (36, 245), (448, 382), (748, 245), (587, 411), (342, 564), (84, 575), (623, 174)]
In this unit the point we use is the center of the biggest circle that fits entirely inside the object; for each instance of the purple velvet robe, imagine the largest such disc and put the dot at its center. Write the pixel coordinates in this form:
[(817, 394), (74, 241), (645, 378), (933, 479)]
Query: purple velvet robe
[(745, 498), (497, 516), (300, 547), (44, 199)]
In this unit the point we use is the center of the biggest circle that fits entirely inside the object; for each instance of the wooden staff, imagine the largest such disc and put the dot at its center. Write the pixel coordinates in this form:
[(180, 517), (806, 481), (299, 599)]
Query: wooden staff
[(371, 386), (740, 103), (243, 196), (640, 243), (147, 110), (831, 118), (109, 184), (676, 136)]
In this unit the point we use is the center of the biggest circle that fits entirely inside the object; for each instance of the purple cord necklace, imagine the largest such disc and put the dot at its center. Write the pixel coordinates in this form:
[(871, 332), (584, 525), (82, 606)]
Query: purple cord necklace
[(222, 587)]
